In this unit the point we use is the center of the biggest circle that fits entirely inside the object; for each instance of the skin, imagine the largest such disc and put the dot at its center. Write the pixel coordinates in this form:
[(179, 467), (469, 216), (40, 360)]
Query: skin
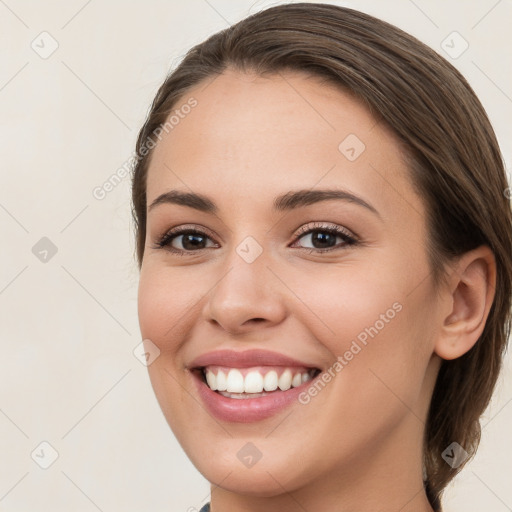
[(357, 445)]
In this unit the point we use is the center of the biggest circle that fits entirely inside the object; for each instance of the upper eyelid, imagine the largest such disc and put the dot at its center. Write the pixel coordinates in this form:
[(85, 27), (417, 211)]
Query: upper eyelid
[(178, 230), (319, 225)]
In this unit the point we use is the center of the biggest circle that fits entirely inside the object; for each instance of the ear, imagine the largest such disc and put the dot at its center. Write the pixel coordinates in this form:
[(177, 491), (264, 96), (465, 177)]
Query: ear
[(472, 284)]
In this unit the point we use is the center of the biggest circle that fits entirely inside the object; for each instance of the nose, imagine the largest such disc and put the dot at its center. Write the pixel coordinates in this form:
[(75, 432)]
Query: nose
[(247, 297)]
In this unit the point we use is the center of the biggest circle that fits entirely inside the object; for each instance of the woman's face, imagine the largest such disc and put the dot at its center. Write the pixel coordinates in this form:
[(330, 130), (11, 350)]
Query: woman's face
[(273, 275)]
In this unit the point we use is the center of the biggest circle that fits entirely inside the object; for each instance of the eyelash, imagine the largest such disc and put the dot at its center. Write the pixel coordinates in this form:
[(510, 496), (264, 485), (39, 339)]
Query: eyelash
[(348, 238)]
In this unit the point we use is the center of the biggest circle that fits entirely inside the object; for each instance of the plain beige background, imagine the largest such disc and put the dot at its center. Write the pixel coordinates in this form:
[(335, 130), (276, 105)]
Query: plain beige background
[(68, 319)]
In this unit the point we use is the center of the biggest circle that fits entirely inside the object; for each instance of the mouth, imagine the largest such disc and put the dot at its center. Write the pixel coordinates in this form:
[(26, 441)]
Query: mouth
[(250, 385), (253, 382)]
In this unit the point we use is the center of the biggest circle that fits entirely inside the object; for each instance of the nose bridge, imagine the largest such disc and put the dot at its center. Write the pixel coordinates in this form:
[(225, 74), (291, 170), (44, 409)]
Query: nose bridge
[(247, 290), (246, 274)]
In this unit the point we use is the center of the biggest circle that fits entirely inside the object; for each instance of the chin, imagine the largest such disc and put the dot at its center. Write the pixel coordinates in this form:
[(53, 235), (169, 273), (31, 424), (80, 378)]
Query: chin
[(248, 482)]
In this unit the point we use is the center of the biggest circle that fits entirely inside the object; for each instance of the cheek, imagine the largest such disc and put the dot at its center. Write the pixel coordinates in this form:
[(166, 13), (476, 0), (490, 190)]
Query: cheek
[(349, 304), (165, 301), (376, 328), (388, 374)]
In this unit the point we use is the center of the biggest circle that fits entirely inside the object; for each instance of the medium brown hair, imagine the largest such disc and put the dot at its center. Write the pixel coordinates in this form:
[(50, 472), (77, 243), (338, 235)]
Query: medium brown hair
[(451, 149)]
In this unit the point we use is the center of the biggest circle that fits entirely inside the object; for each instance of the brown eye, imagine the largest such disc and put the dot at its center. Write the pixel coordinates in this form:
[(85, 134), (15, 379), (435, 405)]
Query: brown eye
[(183, 240), (323, 238)]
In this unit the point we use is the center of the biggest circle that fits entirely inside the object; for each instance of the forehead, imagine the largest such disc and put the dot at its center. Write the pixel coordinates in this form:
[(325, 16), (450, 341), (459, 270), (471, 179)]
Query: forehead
[(250, 137)]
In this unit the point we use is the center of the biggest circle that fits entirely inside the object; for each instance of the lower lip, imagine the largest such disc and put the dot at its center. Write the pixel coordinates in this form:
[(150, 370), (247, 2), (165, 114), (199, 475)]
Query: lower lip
[(247, 410)]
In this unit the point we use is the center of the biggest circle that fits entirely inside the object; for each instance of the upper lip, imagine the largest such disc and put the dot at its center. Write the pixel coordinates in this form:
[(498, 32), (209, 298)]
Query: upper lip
[(246, 359)]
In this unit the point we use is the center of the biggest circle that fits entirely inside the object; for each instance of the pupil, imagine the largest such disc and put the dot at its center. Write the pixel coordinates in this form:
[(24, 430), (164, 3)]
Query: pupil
[(322, 238), (192, 239)]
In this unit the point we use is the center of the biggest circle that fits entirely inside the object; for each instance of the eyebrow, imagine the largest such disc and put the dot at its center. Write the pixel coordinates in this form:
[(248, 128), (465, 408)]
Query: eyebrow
[(286, 202)]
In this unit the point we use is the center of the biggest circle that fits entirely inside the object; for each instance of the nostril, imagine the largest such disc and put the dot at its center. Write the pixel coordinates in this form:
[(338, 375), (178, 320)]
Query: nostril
[(254, 320)]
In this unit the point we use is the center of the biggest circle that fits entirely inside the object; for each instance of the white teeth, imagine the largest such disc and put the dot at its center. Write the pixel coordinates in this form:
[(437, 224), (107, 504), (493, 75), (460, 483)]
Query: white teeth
[(285, 381), (211, 379), (235, 381), (270, 381), (222, 383), (297, 380), (254, 382)]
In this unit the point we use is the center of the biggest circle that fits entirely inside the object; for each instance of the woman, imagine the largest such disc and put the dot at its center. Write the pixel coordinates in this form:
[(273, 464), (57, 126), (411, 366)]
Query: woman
[(324, 238)]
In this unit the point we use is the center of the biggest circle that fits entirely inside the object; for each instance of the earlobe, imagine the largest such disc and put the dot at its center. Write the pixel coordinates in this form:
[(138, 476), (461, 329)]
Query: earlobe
[(472, 286)]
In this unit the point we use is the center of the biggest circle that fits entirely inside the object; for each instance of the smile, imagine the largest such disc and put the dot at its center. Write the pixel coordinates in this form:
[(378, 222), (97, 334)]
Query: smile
[(250, 385), (243, 383)]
